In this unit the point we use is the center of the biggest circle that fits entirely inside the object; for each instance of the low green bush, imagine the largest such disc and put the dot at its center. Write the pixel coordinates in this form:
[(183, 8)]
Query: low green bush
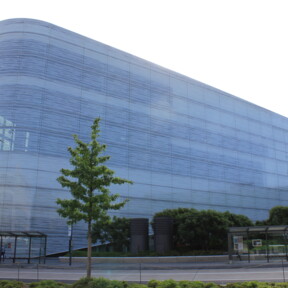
[(233, 285), (211, 285), (48, 284), (82, 283), (253, 284), (195, 284), (184, 284), (280, 285), (119, 284), (11, 284), (99, 283), (153, 283), (106, 283), (136, 285), (170, 283)]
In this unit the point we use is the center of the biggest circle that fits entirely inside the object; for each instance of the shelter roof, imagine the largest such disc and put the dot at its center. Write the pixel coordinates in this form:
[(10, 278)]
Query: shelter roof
[(22, 234), (259, 229)]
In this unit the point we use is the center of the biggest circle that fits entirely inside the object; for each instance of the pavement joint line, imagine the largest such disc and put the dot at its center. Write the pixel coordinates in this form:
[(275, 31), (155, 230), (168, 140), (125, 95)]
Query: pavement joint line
[(195, 274)]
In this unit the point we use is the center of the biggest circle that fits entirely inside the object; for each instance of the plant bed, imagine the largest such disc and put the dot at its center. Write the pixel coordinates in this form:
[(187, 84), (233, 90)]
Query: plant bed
[(105, 283)]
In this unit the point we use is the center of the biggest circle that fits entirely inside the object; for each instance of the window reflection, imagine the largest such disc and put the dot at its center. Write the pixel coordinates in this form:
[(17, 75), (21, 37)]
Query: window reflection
[(7, 134)]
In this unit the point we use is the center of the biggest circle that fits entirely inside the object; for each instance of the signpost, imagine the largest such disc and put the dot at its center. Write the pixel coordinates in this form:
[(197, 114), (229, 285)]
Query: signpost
[(70, 234)]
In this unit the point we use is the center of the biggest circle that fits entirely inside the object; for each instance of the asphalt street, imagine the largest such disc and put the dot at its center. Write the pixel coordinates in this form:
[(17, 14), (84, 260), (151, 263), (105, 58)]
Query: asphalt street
[(275, 272)]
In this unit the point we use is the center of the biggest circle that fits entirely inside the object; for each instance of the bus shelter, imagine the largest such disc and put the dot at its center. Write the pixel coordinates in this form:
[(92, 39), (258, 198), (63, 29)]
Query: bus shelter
[(257, 243), (23, 245)]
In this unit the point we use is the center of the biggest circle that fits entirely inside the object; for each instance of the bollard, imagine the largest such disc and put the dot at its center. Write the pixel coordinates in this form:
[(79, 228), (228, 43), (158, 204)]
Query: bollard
[(18, 268), (140, 272), (283, 271)]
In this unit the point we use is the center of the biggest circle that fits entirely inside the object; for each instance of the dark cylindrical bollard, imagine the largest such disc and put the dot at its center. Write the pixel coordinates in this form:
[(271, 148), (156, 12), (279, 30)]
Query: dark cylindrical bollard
[(139, 235), (163, 232)]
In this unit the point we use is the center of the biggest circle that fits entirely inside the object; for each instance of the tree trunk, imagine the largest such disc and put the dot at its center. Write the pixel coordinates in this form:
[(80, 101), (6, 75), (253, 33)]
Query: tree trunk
[(89, 251)]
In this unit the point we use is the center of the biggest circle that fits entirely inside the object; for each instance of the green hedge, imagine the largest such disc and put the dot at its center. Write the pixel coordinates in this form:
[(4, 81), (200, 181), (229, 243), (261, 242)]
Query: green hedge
[(105, 283), (40, 284)]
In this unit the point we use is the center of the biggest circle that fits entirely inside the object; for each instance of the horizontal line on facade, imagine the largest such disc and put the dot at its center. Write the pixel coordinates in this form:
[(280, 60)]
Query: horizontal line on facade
[(225, 165), (129, 128), (53, 208), (187, 127), (149, 186), (217, 108)]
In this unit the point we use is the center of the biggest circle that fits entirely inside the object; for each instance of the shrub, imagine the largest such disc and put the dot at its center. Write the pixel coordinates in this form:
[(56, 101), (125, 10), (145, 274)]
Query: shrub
[(103, 283), (3, 283), (99, 283), (233, 285), (184, 284), (119, 284), (280, 285), (153, 283), (11, 284), (136, 285), (170, 283), (191, 284), (48, 284), (251, 284), (211, 285), (82, 283)]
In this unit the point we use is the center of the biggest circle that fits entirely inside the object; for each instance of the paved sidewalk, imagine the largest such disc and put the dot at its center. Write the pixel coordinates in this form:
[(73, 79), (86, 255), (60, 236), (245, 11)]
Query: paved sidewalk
[(52, 263)]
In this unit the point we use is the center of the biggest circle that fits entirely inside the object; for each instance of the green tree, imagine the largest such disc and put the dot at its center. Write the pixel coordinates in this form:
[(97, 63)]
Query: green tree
[(89, 183), (206, 230), (202, 230), (237, 220), (278, 215), (178, 215), (115, 230)]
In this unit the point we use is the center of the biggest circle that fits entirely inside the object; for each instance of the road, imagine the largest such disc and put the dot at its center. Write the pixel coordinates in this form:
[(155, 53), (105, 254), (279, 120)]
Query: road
[(211, 275)]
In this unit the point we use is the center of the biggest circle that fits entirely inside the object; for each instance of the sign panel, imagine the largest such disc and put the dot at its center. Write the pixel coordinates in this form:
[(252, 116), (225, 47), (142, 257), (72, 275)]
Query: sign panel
[(256, 242), (238, 243)]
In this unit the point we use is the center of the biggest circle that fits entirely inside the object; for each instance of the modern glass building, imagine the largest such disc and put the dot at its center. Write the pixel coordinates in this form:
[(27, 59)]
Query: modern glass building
[(182, 142)]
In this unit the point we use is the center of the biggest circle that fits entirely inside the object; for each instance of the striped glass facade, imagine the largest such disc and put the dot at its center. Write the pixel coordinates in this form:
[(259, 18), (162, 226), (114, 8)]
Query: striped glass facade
[(183, 143)]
